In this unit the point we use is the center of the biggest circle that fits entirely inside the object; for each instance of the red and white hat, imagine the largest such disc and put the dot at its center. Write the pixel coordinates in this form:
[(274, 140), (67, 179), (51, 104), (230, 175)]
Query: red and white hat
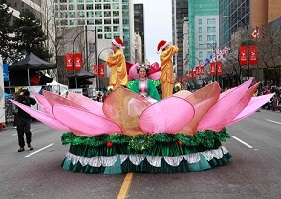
[(118, 42), (162, 44)]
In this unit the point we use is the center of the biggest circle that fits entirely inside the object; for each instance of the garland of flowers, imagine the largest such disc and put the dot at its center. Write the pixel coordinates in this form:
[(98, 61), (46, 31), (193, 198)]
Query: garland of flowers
[(205, 140)]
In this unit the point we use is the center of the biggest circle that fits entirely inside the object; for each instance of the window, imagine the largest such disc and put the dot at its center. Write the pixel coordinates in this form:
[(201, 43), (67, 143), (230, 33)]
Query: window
[(115, 21), (213, 29), (90, 21), (115, 6), (71, 7), (98, 14), (209, 29), (200, 29), (107, 13), (116, 35), (72, 22), (116, 29), (107, 29), (71, 14), (62, 1), (80, 7), (200, 21), (115, 13), (209, 46), (80, 1), (81, 22), (81, 14), (107, 21), (209, 21), (99, 28), (98, 7), (213, 21), (213, 37), (209, 54), (99, 36), (90, 14), (64, 22), (200, 54), (200, 45), (106, 6), (98, 21), (89, 7), (63, 7), (200, 37), (209, 37), (107, 36), (63, 15)]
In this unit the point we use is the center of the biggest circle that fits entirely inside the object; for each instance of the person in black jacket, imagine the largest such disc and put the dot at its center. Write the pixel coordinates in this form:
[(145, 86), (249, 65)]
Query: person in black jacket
[(24, 119)]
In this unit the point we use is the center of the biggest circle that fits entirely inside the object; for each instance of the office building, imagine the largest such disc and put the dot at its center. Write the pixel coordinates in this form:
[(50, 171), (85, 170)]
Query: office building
[(139, 29)]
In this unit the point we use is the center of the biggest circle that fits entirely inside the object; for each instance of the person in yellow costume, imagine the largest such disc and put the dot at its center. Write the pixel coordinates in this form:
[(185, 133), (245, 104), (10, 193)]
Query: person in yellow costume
[(167, 73), (117, 63)]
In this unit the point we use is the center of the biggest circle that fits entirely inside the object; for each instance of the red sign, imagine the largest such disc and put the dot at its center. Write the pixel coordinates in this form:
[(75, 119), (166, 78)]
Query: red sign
[(219, 65), (194, 73), (253, 55), (213, 68), (101, 70), (68, 62), (243, 55), (202, 70), (197, 70), (77, 61), (96, 70), (190, 74)]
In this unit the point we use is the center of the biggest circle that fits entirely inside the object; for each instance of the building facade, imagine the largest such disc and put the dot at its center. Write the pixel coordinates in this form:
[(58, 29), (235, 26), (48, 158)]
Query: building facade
[(139, 28)]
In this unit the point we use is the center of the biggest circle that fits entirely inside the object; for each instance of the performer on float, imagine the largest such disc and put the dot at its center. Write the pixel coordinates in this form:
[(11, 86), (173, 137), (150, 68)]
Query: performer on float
[(167, 74), (144, 86), (117, 63)]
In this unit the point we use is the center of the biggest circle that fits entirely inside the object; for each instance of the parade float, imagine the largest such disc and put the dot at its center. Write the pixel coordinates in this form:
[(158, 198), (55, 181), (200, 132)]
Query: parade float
[(126, 133)]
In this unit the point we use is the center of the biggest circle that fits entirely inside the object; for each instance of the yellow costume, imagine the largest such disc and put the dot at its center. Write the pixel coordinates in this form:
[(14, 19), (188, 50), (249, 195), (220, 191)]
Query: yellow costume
[(167, 74), (117, 63)]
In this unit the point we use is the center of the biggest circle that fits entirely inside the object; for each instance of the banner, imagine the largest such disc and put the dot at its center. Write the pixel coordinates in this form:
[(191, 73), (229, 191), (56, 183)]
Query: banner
[(6, 72), (202, 70), (253, 55), (190, 74), (219, 65), (243, 55), (96, 70), (68, 62), (101, 70), (213, 68), (194, 73), (77, 61), (197, 70)]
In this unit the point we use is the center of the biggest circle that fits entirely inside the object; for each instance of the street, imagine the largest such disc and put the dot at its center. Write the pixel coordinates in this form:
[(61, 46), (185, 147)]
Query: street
[(254, 171)]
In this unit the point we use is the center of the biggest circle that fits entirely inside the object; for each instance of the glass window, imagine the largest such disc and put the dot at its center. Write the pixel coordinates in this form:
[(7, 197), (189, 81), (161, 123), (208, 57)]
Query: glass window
[(200, 37), (90, 14), (115, 21), (64, 22), (213, 37), (72, 22), (107, 28), (80, 7), (200, 21), (209, 38), (81, 14), (98, 21), (89, 1), (98, 14), (106, 0), (209, 21), (200, 45), (80, 1), (115, 6), (209, 29), (63, 7), (81, 22), (106, 6), (116, 35), (63, 15), (107, 36), (213, 21), (200, 29), (99, 36), (71, 1), (99, 28), (63, 1), (107, 13), (89, 7), (107, 21), (209, 46), (115, 13), (200, 54), (209, 54), (98, 6), (71, 14), (116, 28), (71, 7), (90, 21)]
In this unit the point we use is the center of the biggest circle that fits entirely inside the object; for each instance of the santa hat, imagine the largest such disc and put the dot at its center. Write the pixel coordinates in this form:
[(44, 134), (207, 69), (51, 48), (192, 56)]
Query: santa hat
[(162, 44), (118, 42)]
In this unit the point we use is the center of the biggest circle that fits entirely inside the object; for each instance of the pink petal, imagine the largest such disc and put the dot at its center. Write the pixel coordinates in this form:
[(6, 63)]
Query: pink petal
[(154, 76), (57, 99), (169, 115), (84, 123), (43, 103), (182, 94), (213, 118), (133, 73), (87, 103), (254, 104), (124, 107), (43, 117), (153, 68)]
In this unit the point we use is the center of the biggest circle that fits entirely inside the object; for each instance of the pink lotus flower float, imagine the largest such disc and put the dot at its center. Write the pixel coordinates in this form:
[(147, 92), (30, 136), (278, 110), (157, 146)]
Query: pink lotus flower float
[(125, 112), (113, 131)]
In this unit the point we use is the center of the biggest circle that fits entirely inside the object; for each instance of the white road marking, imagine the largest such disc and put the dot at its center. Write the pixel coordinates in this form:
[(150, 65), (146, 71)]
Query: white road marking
[(273, 121), (245, 143), (39, 150)]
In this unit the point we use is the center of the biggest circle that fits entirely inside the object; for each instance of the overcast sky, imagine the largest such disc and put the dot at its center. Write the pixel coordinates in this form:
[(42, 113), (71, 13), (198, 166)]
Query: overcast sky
[(157, 25)]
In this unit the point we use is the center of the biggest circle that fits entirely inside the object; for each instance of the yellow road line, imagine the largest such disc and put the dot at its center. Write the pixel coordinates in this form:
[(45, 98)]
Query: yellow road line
[(125, 186)]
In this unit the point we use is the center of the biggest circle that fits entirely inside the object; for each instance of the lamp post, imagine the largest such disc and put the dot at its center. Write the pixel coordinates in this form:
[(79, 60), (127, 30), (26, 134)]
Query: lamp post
[(98, 67)]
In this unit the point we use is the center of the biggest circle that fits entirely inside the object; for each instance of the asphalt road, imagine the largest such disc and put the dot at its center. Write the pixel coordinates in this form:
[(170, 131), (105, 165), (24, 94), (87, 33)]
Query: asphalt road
[(254, 171)]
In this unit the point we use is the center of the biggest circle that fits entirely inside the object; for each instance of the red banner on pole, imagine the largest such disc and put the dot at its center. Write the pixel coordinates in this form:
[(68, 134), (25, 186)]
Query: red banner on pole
[(194, 73), (213, 68), (197, 70), (101, 70), (219, 65), (68, 62), (253, 55), (96, 70), (243, 55), (77, 61), (202, 70), (190, 74)]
